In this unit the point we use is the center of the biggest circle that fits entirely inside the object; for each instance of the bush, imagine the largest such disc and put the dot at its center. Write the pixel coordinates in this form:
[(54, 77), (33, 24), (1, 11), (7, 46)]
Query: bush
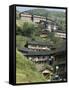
[(27, 29), (21, 41)]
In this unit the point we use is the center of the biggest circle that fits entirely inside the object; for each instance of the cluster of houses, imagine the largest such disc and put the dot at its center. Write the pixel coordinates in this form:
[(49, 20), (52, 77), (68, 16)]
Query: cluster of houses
[(44, 52), (48, 24)]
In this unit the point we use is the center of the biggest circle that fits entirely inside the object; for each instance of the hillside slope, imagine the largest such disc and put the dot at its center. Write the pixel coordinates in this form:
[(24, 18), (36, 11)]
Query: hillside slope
[(26, 71)]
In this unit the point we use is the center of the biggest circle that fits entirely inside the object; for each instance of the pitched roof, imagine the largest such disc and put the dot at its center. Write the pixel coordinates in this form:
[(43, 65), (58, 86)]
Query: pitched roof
[(60, 31), (29, 52), (24, 50)]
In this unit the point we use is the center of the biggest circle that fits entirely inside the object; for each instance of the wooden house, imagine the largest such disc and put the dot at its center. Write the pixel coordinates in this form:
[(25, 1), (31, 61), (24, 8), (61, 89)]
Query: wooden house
[(39, 46)]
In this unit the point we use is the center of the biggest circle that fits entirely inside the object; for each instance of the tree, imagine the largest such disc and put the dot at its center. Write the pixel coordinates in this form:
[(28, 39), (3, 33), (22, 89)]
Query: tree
[(28, 29)]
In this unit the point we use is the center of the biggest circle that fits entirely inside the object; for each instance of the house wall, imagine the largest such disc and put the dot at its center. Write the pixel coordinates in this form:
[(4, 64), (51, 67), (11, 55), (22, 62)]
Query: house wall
[(37, 47), (28, 17), (42, 59), (61, 35)]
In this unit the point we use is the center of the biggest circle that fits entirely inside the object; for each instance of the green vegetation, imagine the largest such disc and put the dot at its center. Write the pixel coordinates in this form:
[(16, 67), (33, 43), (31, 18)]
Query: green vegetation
[(21, 40), (41, 12), (57, 16), (58, 42), (26, 71), (27, 29)]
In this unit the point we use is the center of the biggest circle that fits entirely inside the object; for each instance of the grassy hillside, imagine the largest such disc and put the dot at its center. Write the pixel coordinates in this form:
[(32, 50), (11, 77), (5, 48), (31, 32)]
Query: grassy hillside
[(21, 40), (26, 71)]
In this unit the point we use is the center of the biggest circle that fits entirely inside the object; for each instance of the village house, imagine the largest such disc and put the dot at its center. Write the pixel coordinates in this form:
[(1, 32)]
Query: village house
[(40, 57), (45, 23), (38, 52), (60, 63), (39, 46), (25, 16), (28, 17), (44, 52), (60, 34), (55, 58), (49, 25)]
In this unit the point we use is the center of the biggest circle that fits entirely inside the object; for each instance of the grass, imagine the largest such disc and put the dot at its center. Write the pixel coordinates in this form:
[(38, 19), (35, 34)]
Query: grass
[(19, 23), (21, 40), (26, 71)]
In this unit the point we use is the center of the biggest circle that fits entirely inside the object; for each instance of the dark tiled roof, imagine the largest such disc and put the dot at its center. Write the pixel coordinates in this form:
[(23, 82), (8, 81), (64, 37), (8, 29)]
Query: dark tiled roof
[(29, 52), (39, 53), (60, 31), (24, 50)]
